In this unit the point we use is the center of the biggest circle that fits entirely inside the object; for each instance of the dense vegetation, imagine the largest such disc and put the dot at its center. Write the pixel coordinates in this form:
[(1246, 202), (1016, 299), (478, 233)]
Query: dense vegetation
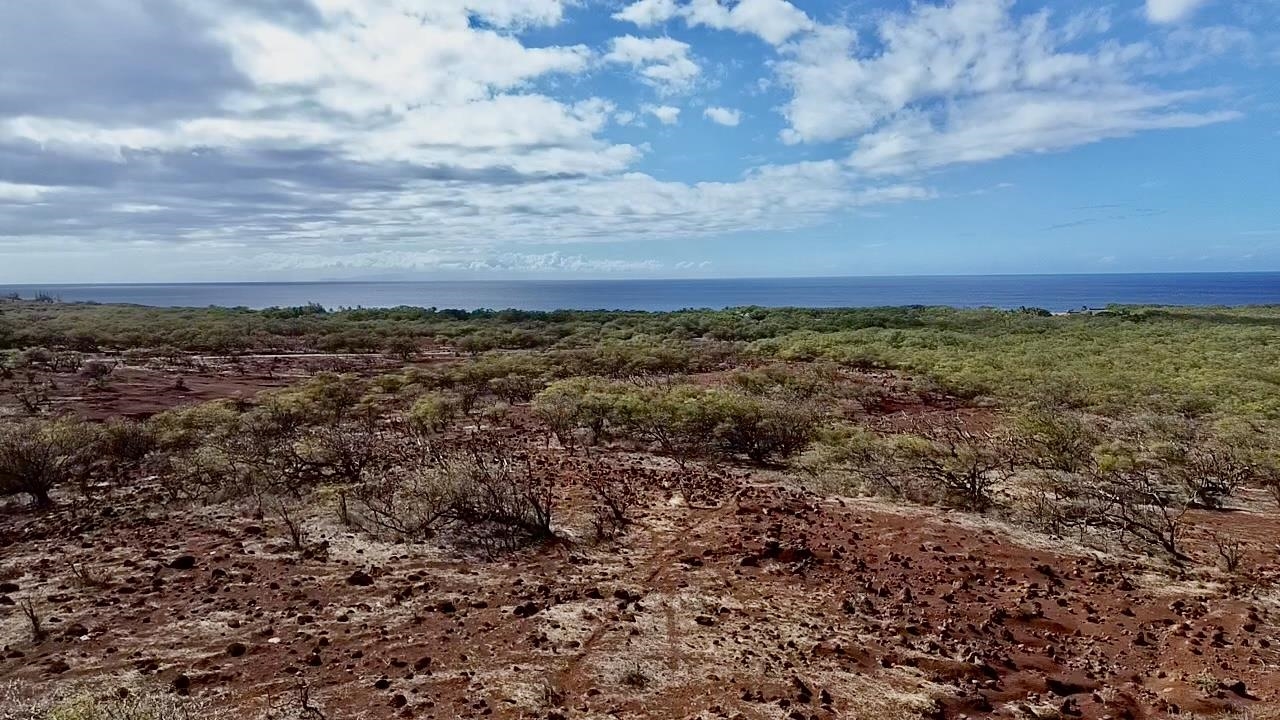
[(1194, 360)]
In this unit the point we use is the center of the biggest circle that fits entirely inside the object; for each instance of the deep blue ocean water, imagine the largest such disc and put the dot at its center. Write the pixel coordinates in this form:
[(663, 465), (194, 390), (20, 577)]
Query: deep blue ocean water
[(1052, 292)]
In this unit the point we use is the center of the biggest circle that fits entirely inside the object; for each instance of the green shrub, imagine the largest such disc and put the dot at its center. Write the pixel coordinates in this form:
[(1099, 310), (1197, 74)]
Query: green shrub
[(685, 421), (433, 413)]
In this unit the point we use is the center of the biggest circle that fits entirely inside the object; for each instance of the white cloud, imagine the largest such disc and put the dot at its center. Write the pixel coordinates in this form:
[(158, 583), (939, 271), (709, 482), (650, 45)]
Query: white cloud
[(996, 126), (661, 62), (21, 193), (666, 114), (647, 13), (723, 116), (965, 81), (381, 80), (453, 259), (371, 57), (774, 21), (1166, 11), (388, 132), (433, 132)]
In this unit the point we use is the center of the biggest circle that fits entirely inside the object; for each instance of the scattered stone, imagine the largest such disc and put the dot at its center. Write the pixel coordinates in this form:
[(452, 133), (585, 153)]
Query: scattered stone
[(1238, 687), (183, 562), (360, 578)]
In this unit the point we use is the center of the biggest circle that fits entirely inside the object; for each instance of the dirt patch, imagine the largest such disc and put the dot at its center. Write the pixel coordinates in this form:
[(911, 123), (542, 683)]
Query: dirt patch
[(141, 390)]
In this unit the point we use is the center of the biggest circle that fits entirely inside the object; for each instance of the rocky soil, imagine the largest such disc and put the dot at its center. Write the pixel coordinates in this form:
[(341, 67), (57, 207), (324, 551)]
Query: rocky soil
[(744, 596), (756, 600)]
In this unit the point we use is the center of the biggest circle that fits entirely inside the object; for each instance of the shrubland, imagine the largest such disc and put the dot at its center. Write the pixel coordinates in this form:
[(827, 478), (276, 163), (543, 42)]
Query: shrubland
[(1113, 425)]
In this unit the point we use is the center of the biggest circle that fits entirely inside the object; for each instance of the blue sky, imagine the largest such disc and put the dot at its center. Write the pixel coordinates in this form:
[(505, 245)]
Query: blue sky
[(193, 140)]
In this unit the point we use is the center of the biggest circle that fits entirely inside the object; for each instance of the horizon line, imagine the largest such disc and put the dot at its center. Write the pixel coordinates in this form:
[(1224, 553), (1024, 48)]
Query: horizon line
[(356, 281)]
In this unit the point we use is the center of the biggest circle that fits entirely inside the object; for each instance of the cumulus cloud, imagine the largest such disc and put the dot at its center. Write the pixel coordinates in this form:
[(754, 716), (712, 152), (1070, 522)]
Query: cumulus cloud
[(774, 21), (646, 13), (661, 62), (1165, 11), (966, 81), (666, 114), (723, 116)]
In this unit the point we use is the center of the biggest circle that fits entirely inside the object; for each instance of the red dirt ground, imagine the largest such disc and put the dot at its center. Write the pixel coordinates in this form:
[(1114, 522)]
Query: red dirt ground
[(771, 602), (140, 391), (747, 597)]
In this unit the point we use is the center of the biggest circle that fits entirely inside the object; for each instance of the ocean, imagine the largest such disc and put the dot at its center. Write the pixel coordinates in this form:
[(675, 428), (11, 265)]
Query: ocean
[(1056, 293)]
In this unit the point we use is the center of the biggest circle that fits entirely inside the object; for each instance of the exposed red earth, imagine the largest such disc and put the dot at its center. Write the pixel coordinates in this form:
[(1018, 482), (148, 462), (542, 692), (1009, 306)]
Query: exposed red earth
[(736, 594)]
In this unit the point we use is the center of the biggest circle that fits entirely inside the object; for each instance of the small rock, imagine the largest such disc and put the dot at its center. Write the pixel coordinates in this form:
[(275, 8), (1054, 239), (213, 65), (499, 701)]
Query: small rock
[(360, 578), (1238, 687), (183, 562), (528, 609)]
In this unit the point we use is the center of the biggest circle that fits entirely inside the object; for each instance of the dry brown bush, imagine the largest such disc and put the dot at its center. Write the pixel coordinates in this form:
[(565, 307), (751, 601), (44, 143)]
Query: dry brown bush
[(615, 496), (483, 493), (36, 456)]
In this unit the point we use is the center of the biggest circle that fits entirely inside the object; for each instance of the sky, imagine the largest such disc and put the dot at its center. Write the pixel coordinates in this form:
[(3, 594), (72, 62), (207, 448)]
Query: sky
[(258, 140)]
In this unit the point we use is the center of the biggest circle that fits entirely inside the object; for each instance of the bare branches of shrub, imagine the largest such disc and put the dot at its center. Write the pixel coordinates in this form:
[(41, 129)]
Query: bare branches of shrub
[(288, 515), (408, 505), (949, 463), (34, 622), (1230, 552), (484, 493), (615, 494), (1139, 485), (500, 499), (1132, 496), (36, 456)]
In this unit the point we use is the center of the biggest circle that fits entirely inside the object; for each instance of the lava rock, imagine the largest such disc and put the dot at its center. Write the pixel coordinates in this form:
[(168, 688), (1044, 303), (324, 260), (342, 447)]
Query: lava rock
[(183, 562), (528, 609)]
